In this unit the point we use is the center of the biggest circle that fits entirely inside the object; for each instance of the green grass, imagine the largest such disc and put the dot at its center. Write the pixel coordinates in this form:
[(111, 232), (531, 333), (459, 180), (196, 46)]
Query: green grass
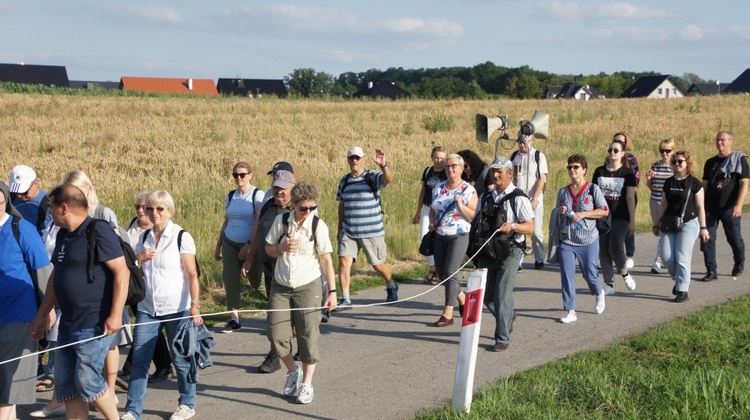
[(693, 367)]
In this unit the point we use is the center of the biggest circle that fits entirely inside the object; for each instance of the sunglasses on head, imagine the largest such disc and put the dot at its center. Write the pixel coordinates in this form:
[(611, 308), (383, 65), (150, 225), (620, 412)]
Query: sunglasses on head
[(152, 208), (306, 209), (665, 150), (240, 175), (614, 150), (576, 167)]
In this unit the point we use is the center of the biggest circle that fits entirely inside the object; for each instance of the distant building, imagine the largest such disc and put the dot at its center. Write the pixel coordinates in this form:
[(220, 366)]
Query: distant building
[(31, 74), (382, 89), (706, 89), (87, 84), (741, 84), (662, 86), (574, 91), (253, 88), (169, 85)]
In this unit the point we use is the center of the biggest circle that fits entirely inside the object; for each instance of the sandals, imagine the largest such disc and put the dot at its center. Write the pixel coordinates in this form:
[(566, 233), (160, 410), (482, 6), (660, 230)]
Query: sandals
[(46, 384), (436, 279), (430, 277)]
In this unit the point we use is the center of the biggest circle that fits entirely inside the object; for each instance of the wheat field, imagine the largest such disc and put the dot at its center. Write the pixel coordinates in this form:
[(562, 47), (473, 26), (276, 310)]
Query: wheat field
[(189, 145)]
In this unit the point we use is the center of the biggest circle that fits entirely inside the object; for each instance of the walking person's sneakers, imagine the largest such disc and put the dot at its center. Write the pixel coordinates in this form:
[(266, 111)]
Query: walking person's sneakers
[(292, 382), (710, 276), (183, 412), (392, 292), (160, 375), (344, 304), (570, 317), (599, 308), (231, 326), (629, 262), (629, 282), (271, 364), (738, 269), (656, 268), (499, 347), (306, 394), (609, 290), (538, 265), (127, 416), (681, 297)]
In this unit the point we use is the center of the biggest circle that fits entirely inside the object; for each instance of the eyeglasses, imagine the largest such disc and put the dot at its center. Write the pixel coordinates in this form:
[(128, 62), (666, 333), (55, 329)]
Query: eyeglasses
[(614, 150), (240, 175), (453, 166), (576, 167), (151, 209), (140, 207), (306, 209), (679, 162), (723, 139), (665, 150)]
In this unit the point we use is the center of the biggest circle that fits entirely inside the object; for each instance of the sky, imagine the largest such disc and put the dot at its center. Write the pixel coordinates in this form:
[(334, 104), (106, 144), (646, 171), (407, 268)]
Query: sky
[(101, 40)]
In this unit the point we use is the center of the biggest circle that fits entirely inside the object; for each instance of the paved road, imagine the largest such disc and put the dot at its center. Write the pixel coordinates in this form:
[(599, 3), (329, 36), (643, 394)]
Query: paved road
[(389, 362)]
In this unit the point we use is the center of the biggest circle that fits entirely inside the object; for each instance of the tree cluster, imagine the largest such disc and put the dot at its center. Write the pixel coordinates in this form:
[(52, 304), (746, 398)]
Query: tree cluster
[(481, 81)]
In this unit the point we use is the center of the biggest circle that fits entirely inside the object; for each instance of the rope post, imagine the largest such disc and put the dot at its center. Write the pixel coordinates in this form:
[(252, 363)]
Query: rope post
[(467, 349)]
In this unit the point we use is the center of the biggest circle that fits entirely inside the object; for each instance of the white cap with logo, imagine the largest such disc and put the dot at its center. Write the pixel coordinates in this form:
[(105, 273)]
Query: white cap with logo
[(21, 178)]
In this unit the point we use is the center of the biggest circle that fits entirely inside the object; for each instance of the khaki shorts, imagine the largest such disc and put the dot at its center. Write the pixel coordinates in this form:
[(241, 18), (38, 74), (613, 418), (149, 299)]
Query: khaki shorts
[(307, 322), (374, 247)]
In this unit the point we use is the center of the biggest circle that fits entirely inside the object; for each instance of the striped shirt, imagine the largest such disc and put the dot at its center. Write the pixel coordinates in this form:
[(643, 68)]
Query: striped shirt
[(661, 173), (587, 234), (362, 213)]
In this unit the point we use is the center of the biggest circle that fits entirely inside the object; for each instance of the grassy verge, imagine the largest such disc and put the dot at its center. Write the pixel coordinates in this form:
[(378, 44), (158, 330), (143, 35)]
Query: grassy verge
[(692, 367)]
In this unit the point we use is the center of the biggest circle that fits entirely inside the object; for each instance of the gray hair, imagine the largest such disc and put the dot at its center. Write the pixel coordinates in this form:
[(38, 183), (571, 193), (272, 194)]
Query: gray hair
[(304, 191), (456, 157), (162, 197)]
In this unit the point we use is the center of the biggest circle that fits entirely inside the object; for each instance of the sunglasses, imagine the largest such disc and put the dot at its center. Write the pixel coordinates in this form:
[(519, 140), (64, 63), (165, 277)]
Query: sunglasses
[(576, 167), (151, 209), (240, 175), (665, 150), (306, 209), (453, 166), (679, 162), (140, 207), (614, 150)]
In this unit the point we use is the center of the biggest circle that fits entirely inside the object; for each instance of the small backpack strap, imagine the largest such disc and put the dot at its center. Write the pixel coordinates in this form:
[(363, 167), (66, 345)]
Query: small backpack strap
[(229, 197), (145, 235), (285, 223), (132, 222), (179, 240)]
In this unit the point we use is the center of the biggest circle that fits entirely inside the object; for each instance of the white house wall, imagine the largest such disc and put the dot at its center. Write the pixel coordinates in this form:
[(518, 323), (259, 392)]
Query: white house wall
[(668, 90)]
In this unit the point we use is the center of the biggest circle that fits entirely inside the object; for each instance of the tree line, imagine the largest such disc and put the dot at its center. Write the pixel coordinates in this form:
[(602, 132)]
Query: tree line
[(481, 81)]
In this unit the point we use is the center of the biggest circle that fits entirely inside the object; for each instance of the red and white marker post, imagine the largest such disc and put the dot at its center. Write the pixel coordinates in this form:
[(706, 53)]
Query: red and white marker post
[(467, 349)]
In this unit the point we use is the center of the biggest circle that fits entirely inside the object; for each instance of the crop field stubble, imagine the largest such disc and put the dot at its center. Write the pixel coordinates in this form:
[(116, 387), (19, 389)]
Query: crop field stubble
[(188, 145)]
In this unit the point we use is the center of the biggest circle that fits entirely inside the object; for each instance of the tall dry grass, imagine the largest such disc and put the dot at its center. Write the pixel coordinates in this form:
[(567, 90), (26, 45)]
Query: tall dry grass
[(189, 145)]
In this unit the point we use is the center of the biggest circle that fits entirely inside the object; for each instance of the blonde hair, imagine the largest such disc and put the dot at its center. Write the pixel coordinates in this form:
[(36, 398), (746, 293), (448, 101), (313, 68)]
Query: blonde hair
[(667, 142), (79, 178), (164, 198), (689, 161)]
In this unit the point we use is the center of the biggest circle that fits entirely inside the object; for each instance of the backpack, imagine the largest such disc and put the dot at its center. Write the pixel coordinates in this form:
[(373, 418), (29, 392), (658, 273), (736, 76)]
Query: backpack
[(537, 156), (489, 218), (35, 274), (285, 223), (179, 246), (370, 183), (136, 285), (231, 193), (604, 224), (41, 215)]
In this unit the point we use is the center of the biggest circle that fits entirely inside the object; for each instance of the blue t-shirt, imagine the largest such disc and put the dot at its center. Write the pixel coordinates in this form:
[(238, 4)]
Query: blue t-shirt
[(240, 212), (362, 212), (18, 299), (30, 211), (85, 299)]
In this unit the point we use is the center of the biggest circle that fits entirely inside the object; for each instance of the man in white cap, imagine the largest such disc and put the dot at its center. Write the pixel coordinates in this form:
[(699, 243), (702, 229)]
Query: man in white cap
[(501, 274), (28, 198), (361, 220)]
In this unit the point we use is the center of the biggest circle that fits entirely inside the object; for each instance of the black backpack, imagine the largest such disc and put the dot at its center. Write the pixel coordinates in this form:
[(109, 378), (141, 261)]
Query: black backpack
[(179, 247), (490, 217), (370, 183), (136, 285), (231, 193), (285, 223)]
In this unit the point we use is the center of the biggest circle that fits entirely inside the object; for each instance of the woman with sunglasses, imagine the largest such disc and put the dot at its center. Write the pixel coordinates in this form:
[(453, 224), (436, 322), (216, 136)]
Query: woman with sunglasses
[(301, 244), (431, 176), (633, 165), (655, 177), (683, 197), (242, 206), (617, 182), (580, 204), (166, 254), (451, 213), (476, 172)]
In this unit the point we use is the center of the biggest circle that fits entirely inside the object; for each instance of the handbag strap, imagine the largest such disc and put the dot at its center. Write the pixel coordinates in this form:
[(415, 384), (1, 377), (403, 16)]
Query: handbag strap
[(445, 212), (684, 206)]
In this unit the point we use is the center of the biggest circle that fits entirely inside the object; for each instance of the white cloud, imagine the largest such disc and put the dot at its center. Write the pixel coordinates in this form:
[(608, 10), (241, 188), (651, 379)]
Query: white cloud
[(350, 57), (612, 10), (724, 34), (141, 12), (691, 33)]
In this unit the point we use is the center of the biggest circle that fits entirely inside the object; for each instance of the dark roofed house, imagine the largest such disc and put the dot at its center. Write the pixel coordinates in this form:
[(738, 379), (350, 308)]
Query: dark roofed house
[(87, 84), (253, 88), (552, 92), (741, 84), (661, 86), (580, 92), (706, 89), (31, 74), (382, 89)]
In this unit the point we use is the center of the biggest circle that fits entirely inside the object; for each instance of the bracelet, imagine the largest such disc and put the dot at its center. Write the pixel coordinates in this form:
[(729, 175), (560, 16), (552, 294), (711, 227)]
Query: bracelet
[(704, 227), (383, 167), (332, 291), (195, 303)]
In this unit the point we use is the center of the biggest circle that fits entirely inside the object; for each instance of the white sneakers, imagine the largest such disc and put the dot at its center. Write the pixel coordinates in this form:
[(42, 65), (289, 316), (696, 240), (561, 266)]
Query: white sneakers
[(629, 263), (306, 394), (599, 308), (183, 413), (570, 317), (656, 268), (629, 282)]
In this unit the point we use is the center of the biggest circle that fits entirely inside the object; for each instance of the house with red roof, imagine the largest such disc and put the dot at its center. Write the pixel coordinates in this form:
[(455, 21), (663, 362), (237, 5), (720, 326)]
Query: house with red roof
[(169, 85)]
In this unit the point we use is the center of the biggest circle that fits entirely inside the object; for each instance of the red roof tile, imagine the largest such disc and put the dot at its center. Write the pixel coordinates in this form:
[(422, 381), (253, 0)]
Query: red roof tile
[(168, 85)]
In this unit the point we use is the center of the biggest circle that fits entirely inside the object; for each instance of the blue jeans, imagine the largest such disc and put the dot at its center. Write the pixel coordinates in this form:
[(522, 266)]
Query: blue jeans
[(677, 252), (498, 293), (144, 343), (588, 258), (733, 231), (80, 367)]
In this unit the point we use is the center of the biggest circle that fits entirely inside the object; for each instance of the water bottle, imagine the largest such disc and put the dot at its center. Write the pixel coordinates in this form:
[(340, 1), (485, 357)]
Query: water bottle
[(577, 225)]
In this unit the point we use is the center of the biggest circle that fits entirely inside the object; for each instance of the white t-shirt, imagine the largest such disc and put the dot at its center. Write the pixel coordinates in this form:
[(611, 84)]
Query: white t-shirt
[(519, 163)]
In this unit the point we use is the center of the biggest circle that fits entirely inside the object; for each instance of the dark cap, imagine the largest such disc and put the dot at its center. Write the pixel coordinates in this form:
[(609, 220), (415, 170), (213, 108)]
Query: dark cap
[(281, 166)]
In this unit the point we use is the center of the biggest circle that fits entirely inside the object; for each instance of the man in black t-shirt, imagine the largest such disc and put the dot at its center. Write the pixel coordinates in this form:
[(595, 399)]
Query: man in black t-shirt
[(91, 297), (725, 178)]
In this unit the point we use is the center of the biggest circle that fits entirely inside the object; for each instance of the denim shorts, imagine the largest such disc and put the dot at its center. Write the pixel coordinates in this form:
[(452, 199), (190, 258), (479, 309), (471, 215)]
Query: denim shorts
[(79, 368)]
